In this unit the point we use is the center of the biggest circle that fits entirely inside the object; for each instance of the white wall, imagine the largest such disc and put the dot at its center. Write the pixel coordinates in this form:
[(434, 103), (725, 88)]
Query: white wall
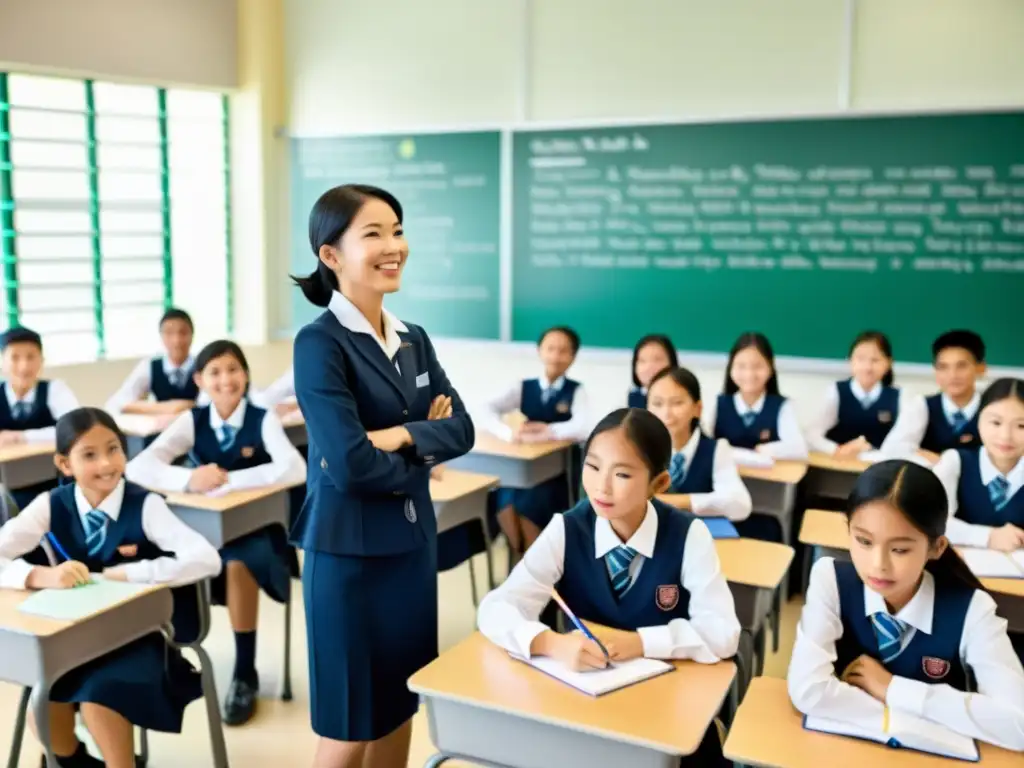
[(405, 64)]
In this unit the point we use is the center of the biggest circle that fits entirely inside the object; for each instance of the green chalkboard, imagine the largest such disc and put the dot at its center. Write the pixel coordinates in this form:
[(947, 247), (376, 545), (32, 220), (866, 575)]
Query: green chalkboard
[(807, 230), (449, 187)]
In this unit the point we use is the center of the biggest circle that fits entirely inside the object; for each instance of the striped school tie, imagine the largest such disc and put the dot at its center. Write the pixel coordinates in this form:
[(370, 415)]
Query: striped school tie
[(227, 436), (95, 524), (867, 401), (959, 422), (21, 410), (176, 377), (547, 394), (748, 419), (618, 561), (999, 492), (889, 630), (677, 470)]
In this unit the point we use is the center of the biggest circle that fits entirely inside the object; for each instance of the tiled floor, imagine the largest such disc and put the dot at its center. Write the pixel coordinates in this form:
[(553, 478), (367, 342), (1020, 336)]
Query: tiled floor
[(280, 735)]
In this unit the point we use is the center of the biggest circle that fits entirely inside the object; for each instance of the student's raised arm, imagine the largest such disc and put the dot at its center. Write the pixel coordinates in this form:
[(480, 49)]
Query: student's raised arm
[(154, 467), (60, 400)]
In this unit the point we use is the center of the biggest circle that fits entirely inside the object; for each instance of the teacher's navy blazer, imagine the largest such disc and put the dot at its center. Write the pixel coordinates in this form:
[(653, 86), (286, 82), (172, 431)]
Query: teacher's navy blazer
[(361, 500)]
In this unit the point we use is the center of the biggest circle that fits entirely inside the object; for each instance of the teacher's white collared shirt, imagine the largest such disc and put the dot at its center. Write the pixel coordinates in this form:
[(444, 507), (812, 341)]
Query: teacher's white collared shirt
[(994, 714), (508, 615)]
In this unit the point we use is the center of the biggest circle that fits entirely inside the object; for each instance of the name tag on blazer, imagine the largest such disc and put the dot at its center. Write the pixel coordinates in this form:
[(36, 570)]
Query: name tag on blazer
[(423, 380)]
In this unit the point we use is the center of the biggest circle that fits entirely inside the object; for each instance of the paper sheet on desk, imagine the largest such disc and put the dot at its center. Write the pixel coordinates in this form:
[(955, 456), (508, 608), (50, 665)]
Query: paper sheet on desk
[(991, 564), (222, 490), (906, 731), (600, 681), (78, 602), (748, 458)]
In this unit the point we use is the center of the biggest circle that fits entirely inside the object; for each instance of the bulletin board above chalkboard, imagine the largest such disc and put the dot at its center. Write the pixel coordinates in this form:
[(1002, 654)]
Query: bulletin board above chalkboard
[(808, 230)]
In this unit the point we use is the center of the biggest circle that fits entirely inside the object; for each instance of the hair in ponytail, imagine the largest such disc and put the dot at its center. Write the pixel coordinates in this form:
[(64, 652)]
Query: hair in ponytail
[(330, 218), (919, 496)]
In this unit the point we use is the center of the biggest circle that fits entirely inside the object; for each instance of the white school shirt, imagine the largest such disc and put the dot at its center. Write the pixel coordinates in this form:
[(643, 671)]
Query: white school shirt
[(137, 385), (827, 416), (508, 615), (193, 556), (577, 428), (729, 496), (790, 445), (153, 468), (282, 389), (908, 431), (948, 469), (59, 399), (995, 714)]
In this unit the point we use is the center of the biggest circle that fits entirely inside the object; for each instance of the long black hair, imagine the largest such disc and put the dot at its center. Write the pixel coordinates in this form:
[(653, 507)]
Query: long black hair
[(759, 342), (917, 493), (881, 341), (683, 377), (219, 348), (73, 424), (661, 340), (1002, 389), (330, 218), (645, 431)]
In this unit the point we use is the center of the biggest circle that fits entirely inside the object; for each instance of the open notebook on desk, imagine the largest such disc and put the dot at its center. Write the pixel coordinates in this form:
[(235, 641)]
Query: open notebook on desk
[(903, 731), (79, 602), (992, 564), (600, 681)]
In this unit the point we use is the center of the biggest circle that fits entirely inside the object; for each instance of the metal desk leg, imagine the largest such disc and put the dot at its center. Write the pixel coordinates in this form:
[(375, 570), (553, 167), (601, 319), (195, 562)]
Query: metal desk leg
[(286, 682), (19, 728), (488, 543), (41, 710), (472, 583), (217, 746)]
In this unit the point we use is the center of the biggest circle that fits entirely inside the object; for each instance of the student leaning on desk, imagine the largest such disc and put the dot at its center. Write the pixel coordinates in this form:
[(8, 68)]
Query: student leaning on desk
[(621, 559), (101, 524), (905, 631)]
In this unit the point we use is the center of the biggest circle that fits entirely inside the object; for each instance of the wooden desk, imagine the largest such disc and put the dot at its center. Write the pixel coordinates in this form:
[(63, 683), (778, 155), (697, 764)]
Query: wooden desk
[(827, 534), (483, 706), (458, 498), (26, 464), (769, 732), (139, 428), (35, 651), (833, 478), (517, 465)]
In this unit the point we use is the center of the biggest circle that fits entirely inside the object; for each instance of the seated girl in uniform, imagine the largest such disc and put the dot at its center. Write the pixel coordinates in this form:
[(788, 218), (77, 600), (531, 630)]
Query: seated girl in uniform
[(652, 354), (655, 584), (905, 626), (232, 445), (100, 524)]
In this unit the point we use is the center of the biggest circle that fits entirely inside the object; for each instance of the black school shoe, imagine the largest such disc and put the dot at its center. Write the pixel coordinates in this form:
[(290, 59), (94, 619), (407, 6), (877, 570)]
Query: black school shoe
[(240, 703), (81, 759)]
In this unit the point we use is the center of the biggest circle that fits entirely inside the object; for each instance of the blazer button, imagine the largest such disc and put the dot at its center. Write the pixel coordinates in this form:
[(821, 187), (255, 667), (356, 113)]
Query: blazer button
[(405, 413), (323, 464), (428, 459), (410, 511)]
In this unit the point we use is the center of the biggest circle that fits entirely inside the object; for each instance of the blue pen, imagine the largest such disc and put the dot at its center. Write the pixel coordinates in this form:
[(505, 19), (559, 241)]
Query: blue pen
[(56, 545), (579, 624)]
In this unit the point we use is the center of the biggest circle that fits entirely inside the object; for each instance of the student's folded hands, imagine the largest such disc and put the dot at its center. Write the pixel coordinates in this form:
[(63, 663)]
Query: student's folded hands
[(205, 478), (11, 437), (532, 432), (869, 675), (853, 449)]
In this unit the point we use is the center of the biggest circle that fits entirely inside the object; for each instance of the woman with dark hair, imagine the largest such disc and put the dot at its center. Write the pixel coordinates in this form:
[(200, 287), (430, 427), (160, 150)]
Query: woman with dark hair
[(380, 413)]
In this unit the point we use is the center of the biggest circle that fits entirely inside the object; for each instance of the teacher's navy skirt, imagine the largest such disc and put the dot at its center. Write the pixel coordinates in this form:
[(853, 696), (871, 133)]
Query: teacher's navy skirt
[(371, 624)]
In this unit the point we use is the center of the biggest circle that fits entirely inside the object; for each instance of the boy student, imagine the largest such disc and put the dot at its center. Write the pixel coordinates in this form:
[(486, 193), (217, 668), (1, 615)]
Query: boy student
[(167, 378), (30, 406), (949, 418)]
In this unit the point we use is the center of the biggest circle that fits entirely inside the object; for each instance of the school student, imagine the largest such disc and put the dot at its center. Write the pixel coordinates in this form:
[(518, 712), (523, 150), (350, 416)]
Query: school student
[(983, 482), (622, 559), (857, 414), (949, 418), (653, 353), (750, 413), (167, 378), (30, 406), (703, 478), (234, 445), (555, 408), (905, 625), (100, 524)]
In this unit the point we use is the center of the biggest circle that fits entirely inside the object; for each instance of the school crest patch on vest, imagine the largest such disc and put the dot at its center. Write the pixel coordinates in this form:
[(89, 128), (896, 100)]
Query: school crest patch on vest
[(562, 406), (766, 435), (884, 417), (248, 452), (966, 438), (128, 550), (667, 596), (935, 668)]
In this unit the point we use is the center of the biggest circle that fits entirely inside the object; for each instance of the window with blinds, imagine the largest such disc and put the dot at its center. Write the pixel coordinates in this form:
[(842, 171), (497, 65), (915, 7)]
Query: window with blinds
[(114, 204)]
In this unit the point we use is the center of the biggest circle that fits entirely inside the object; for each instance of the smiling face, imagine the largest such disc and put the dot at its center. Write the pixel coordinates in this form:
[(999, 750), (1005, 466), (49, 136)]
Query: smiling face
[(869, 364), (1001, 428), (556, 354), (750, 371), (956, 372), (650, 360), (224, 380), (675, 407), (176, 334), (22, 362), (616, 479), (370, 256), (888, 552), (96, 461)]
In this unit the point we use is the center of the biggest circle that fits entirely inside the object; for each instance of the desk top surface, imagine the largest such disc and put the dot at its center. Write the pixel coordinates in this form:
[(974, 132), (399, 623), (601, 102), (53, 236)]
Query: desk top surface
[(761, 564), (768, 731), (824, 461), (13, 620), (669, 713), (822, 528), (227, 501), (19, 451), (787, 472), (492, 446), (454, 484)]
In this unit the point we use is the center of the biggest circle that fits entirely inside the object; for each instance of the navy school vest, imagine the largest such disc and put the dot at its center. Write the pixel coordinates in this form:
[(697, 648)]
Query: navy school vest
[(245, 452), (162, 389), (39, 417), (765, 428), (654, 599), (699, 477), (637, 398), (974, 505), (939, 436), (874, 422), (558, 408), (927, 658)]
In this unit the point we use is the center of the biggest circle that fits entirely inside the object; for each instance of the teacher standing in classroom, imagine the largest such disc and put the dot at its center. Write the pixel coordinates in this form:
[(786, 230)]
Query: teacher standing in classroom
[(380, 413)]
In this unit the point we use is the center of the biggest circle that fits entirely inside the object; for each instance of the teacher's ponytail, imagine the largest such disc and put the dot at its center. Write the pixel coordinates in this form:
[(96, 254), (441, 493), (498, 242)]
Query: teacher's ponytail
[(329, 219)]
